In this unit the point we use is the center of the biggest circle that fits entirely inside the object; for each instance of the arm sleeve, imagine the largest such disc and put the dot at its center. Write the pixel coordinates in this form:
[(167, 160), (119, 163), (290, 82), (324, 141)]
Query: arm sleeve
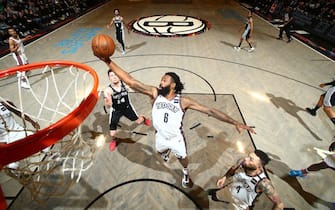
[(331, 83)]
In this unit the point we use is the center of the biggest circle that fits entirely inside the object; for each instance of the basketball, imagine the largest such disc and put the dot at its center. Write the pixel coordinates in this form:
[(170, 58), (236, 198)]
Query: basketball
[(103, 46)]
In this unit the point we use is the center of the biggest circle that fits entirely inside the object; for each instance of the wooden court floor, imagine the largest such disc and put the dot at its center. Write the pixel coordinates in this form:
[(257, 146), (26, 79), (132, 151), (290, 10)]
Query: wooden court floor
[(268, 88)]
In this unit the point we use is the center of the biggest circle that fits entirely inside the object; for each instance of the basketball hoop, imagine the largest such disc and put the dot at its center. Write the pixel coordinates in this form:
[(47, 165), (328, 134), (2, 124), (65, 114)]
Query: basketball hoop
[(62, 95)]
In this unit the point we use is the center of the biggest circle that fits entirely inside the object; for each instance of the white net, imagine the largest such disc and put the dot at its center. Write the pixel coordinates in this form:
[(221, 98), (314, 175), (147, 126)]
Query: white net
[(55, 91)]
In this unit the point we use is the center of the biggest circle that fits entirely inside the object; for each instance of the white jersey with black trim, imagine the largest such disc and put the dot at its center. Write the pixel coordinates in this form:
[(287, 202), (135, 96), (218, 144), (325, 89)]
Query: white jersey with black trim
[(19, 56), (243, 188), (7, 124), (167, 116)]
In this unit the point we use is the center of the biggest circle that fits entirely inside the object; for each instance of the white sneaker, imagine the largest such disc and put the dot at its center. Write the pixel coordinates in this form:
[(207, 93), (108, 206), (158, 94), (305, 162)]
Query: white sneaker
[(14, 165), (46, 150), (25, 84), (23, 80), (123, 52), (251, 49), (186, 179), (237, 48)]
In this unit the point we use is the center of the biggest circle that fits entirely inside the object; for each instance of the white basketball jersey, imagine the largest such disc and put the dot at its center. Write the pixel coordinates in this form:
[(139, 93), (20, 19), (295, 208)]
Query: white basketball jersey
[(243, 188), (19, 43), (7, 124), (167, 116), (19, 57)]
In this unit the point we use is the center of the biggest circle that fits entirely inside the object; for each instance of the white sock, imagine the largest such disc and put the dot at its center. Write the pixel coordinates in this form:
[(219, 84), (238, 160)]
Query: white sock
[(185, 171)]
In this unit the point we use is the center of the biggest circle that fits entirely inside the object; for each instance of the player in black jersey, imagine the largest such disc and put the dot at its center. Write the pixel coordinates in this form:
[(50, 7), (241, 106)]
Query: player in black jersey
[(117, 98), (327, 100), (246, 35), (119, 23), (288, 22)]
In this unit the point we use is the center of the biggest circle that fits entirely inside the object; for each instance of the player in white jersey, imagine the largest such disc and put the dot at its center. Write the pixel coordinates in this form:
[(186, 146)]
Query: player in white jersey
[(119, 23), (167, 111), (16, 47), (246, 35), (167, 117), (244, 182), (10, 130)]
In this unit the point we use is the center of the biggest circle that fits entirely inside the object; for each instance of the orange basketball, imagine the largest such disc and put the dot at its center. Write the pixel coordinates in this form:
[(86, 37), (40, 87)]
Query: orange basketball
[(103, 46)]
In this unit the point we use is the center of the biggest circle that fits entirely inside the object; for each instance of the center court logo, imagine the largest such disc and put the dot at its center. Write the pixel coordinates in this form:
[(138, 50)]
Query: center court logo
[(169, 25)]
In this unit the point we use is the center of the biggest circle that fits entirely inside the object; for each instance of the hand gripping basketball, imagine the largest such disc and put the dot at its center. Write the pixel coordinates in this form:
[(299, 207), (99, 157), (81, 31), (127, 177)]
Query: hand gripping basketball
[(103, 46)]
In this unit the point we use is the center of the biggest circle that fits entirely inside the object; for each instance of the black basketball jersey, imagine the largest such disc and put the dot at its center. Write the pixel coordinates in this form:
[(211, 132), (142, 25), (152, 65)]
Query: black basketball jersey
[(247, 24), (118, 23), (120, 98)]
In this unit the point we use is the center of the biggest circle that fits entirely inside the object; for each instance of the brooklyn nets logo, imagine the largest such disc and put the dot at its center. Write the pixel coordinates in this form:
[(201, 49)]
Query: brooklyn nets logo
[(169, 25)]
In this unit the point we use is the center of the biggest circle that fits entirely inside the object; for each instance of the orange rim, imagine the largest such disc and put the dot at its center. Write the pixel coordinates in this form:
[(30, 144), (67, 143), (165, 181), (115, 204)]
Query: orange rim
[(48, 136)]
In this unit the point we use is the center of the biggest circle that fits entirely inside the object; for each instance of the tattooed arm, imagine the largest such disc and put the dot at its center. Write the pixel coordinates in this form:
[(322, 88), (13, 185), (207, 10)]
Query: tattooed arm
[(266, 187)]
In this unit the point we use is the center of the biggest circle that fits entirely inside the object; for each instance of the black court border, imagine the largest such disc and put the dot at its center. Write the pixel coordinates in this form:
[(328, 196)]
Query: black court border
[(143, 180)]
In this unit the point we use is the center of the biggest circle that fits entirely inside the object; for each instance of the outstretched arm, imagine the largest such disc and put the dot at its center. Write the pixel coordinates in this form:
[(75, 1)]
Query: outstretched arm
[(266, 186), (129, 80), (332, 83), (192, 104), (26, 38)]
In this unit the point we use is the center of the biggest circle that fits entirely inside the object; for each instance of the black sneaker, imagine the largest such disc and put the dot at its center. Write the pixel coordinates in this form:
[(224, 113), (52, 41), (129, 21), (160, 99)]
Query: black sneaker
[(279, 38), (311, 111), (212, 193), (289, 40)]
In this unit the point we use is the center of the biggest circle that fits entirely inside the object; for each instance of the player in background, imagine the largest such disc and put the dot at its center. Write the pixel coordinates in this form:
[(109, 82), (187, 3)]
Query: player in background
[(246, 35), (119, 24), (117, 98), (16, 47)]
